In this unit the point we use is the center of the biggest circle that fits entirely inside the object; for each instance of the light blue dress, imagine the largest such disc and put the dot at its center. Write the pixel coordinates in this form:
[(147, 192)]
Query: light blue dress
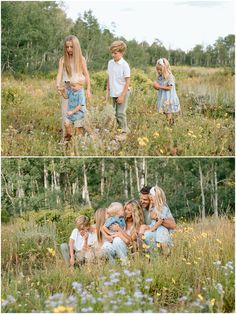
[(161, 234), (76, 98), (167, 100)]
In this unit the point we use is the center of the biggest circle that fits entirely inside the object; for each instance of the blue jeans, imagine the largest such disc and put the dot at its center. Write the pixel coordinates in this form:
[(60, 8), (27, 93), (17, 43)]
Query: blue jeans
[(117, 248)]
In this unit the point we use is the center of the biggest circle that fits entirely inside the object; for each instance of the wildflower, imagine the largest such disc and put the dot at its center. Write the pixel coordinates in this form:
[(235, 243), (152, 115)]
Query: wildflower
[(188, 263), (156, 134), (143, 141), (147, 255), (173, 280), (143, 237), (149, 280), (161, 151), (158, 294), (59, 309), (200, 296), (213, 301), (51, 251), (158, 245), (145, 246), (204, 235), (217, 240)]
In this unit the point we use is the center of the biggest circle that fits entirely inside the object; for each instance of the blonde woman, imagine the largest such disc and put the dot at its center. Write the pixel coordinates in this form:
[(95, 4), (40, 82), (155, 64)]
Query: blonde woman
[(73, 72), (167, 99), (113, 245)]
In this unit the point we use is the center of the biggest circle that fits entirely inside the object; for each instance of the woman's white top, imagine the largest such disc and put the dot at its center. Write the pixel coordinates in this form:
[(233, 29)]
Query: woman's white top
[(79, 240), (75, 77)]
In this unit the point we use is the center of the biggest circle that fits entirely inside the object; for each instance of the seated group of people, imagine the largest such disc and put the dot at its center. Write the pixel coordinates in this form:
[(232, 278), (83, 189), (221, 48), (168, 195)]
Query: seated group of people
[(119, 228)]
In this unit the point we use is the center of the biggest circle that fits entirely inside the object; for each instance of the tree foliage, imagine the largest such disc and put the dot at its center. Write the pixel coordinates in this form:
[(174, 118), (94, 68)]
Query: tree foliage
[(33, 33), (35, 184)]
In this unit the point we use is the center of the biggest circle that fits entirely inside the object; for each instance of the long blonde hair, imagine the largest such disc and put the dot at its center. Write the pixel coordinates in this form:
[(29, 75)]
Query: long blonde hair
[(77, 56), (166, 71), (137, 215), (100, 216), (159, 197)]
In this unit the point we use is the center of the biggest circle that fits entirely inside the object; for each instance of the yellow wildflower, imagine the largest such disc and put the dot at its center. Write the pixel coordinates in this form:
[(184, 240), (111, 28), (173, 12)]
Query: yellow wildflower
[(158, 294), (200, 296), (173, 280), (156, 134), (213, 301), (188, 263), (147, 255), (145, 246), (158, 244), (161, 151), (142, 141), (217, 240), (51, 251), (59, 309)]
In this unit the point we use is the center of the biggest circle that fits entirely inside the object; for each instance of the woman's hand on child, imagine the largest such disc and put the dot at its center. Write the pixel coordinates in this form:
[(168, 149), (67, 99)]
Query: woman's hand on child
[(109, 238), (115, 227)]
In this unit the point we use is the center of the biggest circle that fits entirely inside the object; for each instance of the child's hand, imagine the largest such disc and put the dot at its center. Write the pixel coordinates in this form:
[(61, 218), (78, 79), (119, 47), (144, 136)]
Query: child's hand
[(120, 99), (156, 85), (69, 113), (72, 261), (88, 93)]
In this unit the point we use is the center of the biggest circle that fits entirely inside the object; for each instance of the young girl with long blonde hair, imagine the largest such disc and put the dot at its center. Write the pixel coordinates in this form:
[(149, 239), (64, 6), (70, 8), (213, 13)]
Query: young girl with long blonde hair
[(73, 72), (167, 99)]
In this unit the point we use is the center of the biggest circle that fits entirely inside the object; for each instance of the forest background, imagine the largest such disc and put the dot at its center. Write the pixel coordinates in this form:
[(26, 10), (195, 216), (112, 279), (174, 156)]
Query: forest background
[(33, 33)]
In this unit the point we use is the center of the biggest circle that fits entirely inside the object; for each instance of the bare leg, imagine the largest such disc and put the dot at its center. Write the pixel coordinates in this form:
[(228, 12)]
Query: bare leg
[(79, 131), (165, 249), (68, 131)]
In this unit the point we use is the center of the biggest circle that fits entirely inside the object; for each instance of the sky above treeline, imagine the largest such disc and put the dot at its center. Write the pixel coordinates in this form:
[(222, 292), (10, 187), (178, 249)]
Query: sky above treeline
[(177, 24)]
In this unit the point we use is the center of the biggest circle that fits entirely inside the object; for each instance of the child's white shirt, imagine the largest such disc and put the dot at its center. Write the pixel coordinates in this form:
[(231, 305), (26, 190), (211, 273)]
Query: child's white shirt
[(118, 72), (79, 240)]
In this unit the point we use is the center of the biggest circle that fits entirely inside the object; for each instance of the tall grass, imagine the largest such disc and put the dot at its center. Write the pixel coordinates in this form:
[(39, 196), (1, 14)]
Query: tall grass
[(31, 117), (198, 276)]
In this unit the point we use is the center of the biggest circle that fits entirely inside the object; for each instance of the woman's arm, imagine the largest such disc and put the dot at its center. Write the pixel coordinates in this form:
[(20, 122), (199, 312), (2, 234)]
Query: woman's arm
[(87, 77), (121, 233)]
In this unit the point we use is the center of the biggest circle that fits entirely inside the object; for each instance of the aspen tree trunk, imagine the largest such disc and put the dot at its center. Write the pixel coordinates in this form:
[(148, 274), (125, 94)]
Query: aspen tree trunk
[(142, 178), (55, 183), (131, 182), (126, 181), (202, 191), (45, 180), (85, 192), (20, 191), (214, 185), (137, 173), (102, 176)]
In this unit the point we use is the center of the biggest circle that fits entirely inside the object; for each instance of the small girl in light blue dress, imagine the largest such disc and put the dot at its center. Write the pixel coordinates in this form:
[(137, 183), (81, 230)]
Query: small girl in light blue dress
[(167, 99)]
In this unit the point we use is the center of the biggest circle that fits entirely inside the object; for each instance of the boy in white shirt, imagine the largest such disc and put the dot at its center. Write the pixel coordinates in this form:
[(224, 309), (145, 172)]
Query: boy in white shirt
[(81, 243), (118, 85)]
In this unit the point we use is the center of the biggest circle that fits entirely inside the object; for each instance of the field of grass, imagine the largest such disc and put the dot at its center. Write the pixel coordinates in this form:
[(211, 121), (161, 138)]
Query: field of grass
[(31, 117), (197, 277)]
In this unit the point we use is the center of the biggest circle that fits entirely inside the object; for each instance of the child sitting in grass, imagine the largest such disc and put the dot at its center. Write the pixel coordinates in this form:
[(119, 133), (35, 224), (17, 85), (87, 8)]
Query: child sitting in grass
[(81, 243), (115, 215)]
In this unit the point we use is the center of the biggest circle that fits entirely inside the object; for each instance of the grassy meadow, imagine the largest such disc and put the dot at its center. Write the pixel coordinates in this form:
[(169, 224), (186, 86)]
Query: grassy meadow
[(31, 117), (197, 277)]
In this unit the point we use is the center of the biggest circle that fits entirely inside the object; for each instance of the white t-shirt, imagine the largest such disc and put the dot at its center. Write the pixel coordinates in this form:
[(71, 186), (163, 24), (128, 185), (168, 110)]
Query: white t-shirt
[(117, 72), (79, 240)]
